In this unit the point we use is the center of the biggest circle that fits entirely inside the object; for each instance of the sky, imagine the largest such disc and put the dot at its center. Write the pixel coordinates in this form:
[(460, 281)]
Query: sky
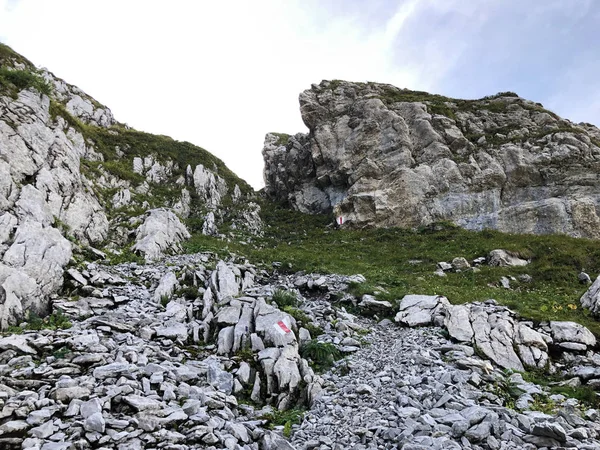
[(221, 74)]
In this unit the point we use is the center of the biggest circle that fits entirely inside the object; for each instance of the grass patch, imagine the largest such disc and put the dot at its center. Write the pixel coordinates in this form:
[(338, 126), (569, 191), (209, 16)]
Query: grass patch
[(55, 321), (304, 242), (322, 354), (136, 143), (282, 138), (8, 56), (284, 298), (125, 256), (285, 419), (14, 81), (187, 292), (585, 394)]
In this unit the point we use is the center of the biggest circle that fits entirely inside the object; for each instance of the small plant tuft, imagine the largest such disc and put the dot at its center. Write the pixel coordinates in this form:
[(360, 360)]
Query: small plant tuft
[(283, 298), (13, 81), (285, 419), (322, 354)]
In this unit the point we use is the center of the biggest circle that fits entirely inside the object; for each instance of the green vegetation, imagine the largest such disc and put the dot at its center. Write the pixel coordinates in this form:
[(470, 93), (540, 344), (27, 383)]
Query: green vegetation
[(13, 81), (126, 255), (8, 56), (585, 394), (303, 320), (55, 321), (136, 143), (282, 138), (188, 292), (322, 354), (438, 104), (543, 404), (62, 353), (383, 256), (285, 419), (284, 298), (508, 391)]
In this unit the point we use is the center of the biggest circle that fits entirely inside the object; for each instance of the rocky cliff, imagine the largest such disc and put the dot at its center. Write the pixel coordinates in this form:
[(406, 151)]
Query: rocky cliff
[(71, 177), (382, 156)]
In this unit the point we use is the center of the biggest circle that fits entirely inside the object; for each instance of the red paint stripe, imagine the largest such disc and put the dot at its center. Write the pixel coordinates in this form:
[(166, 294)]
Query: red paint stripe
[(284, 327)]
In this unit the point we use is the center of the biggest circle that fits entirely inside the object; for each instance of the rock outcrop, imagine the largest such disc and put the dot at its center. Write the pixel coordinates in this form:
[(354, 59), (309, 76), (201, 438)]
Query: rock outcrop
[(497, 332), (382, 156), (591, 299), (72, 177)]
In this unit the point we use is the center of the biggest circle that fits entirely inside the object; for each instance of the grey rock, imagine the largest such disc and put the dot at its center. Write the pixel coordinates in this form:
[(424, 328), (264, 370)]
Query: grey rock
[(549, 429), (460, 263), (370, 305), (418, 310), (166, 287), (572, 332), (591, 299), (218, 377), (161, 232), (377, 160), (272, 441), (95, 422), (503, 258), (141, 403)]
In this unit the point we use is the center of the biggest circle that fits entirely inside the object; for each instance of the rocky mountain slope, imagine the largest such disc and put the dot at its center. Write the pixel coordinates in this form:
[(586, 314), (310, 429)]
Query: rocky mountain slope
[(382, 156), (71, 177), (193, 352), (109, 342)]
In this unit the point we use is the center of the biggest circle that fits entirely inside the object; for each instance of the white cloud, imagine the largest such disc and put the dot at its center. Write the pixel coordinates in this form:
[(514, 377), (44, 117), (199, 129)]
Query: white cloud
[(222, 74), (218, 74)]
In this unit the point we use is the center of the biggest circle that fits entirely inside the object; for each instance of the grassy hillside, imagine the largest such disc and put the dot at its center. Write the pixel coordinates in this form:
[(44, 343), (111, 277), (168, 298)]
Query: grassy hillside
[(398, 262)]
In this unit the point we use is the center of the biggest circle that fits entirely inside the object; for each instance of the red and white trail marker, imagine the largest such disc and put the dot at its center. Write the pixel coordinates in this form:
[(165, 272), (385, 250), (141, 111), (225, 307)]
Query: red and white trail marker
[(282, 328), (339, 220)]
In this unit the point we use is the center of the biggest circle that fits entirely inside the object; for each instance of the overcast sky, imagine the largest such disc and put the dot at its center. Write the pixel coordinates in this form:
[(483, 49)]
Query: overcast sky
[(221, 74)]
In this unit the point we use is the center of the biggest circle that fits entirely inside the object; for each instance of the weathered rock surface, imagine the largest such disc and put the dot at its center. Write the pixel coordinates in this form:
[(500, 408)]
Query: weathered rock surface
[(496, 331), (413, 389), (381, 156), (69, 173), (161, 232), (591, 299)]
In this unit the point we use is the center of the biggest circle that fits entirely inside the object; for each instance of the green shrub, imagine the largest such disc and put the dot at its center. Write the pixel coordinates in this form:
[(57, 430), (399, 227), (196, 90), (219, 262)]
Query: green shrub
[(14, 81), (285, 418), (322, 354), (61, 353), (125, 256), (188, 292), (300, 316), (55, 321), (313, 329), (284, 298)]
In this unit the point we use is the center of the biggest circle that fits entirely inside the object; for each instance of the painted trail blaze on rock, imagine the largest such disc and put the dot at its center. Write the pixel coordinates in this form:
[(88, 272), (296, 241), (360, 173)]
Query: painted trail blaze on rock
[(282, 328)]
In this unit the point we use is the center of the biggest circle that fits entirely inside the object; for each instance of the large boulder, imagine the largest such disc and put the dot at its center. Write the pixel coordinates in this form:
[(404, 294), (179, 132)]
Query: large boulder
[(31, 269), (382, 156), (161, 232)]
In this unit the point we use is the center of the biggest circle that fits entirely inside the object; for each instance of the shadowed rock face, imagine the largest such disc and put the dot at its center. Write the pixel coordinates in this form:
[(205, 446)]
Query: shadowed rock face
[(382, 156)]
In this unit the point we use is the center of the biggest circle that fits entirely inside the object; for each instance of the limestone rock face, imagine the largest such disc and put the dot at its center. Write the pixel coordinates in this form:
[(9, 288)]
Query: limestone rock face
[(591, 299), (382, 156), (71, 174), (161, 232)]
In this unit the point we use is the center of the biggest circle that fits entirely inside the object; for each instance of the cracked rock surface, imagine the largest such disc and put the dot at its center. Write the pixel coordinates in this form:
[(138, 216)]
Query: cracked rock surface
[(380, 156)]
